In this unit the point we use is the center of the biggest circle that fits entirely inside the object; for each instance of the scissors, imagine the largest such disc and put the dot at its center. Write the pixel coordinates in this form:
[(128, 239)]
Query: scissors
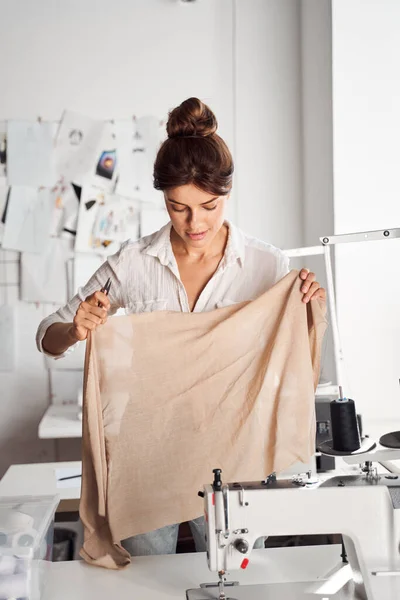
[(105, 289)]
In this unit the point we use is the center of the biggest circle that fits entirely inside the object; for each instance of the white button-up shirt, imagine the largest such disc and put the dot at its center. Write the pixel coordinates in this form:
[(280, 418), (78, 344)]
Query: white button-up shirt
[(145, 277)]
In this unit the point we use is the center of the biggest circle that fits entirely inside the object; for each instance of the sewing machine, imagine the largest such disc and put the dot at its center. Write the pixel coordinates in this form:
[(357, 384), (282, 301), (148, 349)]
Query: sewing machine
[(363, 508)]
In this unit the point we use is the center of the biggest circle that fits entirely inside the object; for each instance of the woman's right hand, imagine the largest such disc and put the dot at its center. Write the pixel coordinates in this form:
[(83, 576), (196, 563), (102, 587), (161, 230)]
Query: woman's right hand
[(90, 315)]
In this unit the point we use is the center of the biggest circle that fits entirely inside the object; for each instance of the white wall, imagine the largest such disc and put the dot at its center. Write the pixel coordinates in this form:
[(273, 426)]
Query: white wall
[(243, 57), (366, 111), (106, 61), (317, 142), (268, 118)]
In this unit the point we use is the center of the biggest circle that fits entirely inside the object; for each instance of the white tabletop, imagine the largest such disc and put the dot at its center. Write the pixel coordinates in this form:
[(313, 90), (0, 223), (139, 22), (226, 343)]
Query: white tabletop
[(168, 577), (60, 421), (41, 479)]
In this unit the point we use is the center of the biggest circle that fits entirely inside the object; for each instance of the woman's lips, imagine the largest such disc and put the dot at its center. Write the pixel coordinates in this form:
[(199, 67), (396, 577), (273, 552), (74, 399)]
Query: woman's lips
[(197, 236)]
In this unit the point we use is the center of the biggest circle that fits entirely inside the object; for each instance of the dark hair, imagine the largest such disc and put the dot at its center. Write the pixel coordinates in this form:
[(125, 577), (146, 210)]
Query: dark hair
[(193, 152)]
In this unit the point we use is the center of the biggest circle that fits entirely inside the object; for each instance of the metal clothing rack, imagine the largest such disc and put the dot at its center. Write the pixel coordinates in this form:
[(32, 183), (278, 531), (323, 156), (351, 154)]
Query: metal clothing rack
[(391, 439)]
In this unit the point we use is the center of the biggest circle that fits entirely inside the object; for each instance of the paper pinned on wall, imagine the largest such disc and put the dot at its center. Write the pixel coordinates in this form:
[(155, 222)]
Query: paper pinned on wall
[(30, 158), (152, 219), (85, 265), (137, 146), (28, 219), (78, 147), (44, 276), (127, 183), (7, 337), (148, 138), (105, 221), (64, 220)]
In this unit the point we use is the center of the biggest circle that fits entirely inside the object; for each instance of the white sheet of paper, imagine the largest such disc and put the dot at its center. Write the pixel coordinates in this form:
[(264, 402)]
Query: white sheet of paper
[(75, 473), (7, 337), (117, 220), (137, 145), (78, 147), (64, 220), (152, 219), (44, 275), (148, 138), (105, 220), (85, 265), (28, 219), (30, 158), (127, 184)]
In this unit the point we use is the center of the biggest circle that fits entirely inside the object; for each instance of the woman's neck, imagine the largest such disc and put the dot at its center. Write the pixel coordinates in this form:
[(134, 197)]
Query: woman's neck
[(216, 248)]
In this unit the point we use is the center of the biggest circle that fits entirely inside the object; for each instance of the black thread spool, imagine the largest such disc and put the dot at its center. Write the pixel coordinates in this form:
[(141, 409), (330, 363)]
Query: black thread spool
[(345, 432)]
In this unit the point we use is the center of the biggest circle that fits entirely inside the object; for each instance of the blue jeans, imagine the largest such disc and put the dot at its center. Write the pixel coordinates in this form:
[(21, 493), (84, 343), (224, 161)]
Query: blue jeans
[(164, 540)]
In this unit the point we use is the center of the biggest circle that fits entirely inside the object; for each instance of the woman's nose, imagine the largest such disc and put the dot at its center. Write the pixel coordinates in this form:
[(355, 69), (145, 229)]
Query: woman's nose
[(192, 218)]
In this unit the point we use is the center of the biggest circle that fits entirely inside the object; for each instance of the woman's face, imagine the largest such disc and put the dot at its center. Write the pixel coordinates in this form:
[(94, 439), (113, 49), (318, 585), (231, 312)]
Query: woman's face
[(196, 216)]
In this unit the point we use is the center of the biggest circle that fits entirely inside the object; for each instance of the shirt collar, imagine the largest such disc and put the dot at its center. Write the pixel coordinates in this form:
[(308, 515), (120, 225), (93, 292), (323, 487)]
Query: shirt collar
[(160, 246)]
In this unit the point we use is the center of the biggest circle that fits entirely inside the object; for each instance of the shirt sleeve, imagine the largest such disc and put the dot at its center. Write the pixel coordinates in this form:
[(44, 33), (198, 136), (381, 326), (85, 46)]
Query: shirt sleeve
[(66, 314)]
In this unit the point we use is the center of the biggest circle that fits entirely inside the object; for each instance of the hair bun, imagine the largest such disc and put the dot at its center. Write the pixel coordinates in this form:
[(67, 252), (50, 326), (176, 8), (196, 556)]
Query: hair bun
[(191, 118)]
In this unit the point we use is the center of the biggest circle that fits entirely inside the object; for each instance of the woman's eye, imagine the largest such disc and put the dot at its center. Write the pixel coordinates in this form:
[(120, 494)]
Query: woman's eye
[(210, 207), (178, 210)]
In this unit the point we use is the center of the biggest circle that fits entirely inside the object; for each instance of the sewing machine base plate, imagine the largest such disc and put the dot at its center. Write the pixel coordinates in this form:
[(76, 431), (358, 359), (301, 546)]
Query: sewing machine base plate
[(273, 591)]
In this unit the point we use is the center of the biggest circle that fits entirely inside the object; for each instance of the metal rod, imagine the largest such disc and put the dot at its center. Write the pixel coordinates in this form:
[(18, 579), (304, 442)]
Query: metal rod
[(309, 251), (360, 236), (337, 348)]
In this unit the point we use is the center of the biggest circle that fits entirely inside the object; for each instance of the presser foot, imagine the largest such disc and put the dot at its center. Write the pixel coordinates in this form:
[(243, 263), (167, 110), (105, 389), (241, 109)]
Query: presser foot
[(219, 590)]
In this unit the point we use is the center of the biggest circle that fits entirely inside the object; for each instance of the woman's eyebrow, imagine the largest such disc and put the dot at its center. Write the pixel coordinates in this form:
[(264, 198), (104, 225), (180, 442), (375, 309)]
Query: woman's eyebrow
[(203, 204)]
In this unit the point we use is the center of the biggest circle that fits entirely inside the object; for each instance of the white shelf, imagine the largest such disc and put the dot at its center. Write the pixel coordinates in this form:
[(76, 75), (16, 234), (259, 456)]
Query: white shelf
[(60, 421), (327, 390), (39, 479)]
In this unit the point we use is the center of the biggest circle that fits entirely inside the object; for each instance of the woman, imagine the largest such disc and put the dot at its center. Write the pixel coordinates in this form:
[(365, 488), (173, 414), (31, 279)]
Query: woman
[(198, 262)]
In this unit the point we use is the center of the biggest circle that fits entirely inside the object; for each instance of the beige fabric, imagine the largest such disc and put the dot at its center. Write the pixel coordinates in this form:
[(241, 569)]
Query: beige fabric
[(169, 396)]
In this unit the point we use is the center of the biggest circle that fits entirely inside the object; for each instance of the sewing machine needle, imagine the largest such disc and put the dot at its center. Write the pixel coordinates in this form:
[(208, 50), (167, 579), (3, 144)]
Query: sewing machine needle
[(221, 587)]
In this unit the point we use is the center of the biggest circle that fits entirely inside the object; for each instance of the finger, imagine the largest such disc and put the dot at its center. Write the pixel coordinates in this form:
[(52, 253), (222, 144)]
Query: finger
[(313, 288), (88, 325), (304, 273), (321, 293), (83, 315), (306, 285), (84, 325), (99, 297), (95, 310)]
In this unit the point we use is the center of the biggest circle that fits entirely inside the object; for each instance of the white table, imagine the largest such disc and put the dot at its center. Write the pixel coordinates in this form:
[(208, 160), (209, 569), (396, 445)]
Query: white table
[(168, 577), (60, 421), (40, 479)]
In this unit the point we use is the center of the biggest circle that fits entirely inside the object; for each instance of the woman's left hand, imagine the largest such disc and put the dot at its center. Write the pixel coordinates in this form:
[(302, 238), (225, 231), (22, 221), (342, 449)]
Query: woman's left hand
[(311, 288)]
